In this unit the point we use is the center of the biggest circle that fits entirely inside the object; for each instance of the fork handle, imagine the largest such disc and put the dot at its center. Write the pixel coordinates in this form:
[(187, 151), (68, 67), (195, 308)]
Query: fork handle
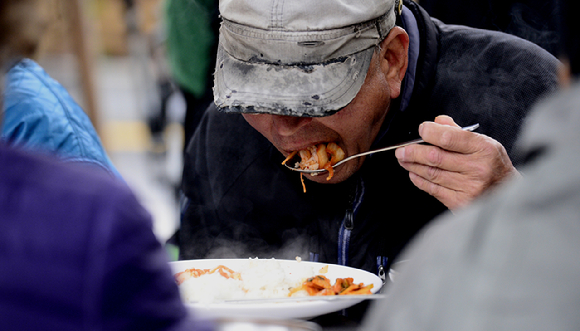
[(411, 142), (415, 141)]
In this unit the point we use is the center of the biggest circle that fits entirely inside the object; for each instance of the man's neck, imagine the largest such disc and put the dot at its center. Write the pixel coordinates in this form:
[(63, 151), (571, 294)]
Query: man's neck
[(409, 23)]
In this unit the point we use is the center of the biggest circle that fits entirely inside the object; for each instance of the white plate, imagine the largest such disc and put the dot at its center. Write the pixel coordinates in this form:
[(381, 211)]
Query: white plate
[(277, 310)]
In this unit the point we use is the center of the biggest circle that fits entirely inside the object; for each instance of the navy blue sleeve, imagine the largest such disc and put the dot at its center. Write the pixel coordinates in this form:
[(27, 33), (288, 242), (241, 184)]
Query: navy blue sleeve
[(138, 291)]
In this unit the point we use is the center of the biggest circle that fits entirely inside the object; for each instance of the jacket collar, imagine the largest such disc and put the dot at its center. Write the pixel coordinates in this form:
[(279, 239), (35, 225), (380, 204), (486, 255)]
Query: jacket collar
[(409, 23), (428, 51)]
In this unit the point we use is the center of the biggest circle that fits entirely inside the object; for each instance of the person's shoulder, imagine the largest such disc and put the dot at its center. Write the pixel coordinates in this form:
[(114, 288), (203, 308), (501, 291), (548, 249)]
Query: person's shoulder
[(552, 124), (40, 114), (69, 195), (494, 44), (228, 131), (47, 173), (497, 57), (26, 75), (223, 148), (30, 88), (30, 92), (227, 139)]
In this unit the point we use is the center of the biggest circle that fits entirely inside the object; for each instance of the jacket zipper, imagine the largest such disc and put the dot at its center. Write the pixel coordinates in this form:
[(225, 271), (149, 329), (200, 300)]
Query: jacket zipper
[(348, 224), (381, 267)]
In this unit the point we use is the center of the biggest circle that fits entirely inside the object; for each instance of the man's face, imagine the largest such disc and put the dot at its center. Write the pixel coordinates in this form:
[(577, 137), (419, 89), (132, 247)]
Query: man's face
[(353, 128)]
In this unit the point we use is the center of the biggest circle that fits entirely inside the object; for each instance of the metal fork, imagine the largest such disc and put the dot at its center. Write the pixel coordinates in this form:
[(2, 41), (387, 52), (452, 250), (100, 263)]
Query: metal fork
[(416, 141)]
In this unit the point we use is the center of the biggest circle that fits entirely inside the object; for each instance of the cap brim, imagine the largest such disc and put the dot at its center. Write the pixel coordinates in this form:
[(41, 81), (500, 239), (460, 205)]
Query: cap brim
[(312, 90)]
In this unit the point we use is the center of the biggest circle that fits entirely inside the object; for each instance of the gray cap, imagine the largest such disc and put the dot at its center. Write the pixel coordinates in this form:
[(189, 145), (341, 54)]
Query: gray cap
[(296, 58)]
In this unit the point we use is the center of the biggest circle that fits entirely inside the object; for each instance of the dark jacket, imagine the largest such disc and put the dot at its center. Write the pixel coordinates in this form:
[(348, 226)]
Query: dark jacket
[(78, 252), (241, 202), (510, 260)]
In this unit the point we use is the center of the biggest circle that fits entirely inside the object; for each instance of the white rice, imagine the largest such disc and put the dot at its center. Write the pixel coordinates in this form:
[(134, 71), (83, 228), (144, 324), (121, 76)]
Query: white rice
[(260, 279)]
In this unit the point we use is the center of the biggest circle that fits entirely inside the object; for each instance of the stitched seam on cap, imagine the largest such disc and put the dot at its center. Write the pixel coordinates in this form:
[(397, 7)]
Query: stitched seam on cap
[(289, 35)]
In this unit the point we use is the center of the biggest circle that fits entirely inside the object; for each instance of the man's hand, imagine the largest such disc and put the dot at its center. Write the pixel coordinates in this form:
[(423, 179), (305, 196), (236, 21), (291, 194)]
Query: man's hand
[(459, 165)]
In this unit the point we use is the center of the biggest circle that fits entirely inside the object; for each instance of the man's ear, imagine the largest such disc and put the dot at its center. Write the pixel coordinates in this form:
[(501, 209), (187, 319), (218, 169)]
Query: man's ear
[(394, 58)]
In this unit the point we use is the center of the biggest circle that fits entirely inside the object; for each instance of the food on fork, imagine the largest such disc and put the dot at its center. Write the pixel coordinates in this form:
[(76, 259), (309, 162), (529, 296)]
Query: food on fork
[(321, 156)]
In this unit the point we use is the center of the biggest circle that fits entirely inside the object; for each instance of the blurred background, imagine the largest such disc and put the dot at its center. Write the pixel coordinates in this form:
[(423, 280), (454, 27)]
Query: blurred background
[(109, 55)]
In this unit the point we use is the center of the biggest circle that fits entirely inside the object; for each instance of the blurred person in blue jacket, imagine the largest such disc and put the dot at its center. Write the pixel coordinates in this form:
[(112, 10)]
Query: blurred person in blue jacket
[(511, 260), (40, 114), (77, 251)]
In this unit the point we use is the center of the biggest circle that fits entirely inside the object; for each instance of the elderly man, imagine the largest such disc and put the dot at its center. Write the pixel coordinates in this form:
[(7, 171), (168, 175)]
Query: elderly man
[(361, 74)]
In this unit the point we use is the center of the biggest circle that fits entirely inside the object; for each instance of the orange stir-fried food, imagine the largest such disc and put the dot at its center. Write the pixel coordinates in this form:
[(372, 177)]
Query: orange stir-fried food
[(313, 286), (321, 156), (226, 272), (320, 285)]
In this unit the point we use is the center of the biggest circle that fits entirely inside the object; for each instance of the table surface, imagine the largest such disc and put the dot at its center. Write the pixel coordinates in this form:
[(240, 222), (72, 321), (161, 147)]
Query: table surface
[(336, 322), (344, 320)]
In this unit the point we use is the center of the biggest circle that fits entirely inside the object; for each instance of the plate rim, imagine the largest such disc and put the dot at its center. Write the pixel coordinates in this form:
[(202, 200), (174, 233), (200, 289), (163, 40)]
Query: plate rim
[(307, 309)]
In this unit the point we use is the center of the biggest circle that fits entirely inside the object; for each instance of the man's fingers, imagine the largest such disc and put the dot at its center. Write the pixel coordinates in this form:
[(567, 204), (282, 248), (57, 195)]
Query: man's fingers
[(443, 194), (456, 165), (440, 177), (434, 157), (445, 120), (451, 198), (451, 138)]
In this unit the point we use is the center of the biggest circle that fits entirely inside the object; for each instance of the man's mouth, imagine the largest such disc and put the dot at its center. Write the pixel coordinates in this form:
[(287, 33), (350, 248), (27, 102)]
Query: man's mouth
[(315, 157)]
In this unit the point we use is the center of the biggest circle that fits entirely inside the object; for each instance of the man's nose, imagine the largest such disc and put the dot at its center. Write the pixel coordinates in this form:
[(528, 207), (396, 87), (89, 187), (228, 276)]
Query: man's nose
[(288, 125)]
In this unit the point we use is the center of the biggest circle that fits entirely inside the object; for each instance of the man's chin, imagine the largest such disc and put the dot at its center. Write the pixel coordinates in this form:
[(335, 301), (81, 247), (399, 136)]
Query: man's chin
[(322, 178)]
